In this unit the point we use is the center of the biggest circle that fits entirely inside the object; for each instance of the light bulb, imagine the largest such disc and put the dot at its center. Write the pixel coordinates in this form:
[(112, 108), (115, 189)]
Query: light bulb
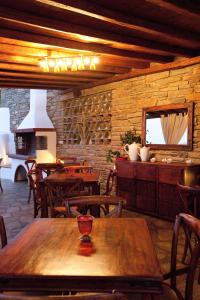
[(78, 61), (69, 62), (95, 60), (51, 63), (87, 61)]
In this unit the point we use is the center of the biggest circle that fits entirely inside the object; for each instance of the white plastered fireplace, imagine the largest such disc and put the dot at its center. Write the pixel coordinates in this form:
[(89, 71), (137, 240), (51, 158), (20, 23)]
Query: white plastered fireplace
[(36, 125)]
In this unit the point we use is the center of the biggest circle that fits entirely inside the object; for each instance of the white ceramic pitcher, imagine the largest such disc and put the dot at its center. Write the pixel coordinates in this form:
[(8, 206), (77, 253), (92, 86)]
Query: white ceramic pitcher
[(132, 151), (144, 153)]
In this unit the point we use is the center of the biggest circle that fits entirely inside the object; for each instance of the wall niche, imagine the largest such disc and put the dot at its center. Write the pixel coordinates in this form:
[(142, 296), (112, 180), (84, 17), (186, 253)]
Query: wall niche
[(87, 119)]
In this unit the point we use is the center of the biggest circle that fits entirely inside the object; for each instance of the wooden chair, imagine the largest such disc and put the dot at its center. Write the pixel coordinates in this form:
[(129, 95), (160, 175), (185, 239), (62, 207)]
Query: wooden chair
[(110, 183), (3, 232), (170, 291), (58, 191), (83, 204), (30, 165), (0, 175), (189, 198), (99, 203), (34, 176), (189, 224), (116, 296)]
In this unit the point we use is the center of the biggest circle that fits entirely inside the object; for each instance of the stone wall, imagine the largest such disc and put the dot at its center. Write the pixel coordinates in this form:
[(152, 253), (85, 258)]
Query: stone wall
[(128, 98)]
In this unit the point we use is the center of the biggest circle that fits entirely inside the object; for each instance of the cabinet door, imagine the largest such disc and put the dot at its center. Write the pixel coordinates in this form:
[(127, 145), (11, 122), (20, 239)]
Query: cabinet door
[(126, 189), (168, 201), (146, 196)]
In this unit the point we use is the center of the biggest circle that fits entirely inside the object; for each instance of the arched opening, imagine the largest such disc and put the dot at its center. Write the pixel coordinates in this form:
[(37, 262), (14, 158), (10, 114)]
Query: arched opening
[(20, 173)]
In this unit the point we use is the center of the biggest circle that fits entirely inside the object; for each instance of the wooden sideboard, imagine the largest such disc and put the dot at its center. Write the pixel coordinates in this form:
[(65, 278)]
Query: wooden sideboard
[(150, 188)]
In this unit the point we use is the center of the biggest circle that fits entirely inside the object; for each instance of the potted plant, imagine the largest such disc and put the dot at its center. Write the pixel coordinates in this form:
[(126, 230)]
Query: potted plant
[(111, 155), (130, 137), (132, 143)]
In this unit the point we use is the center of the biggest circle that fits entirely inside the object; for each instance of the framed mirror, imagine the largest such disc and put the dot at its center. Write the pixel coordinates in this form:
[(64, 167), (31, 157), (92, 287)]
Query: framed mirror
[(168, 126)]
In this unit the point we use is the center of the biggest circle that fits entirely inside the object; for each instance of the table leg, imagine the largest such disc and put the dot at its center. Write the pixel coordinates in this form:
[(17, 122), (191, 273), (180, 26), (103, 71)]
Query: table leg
[(44, 205), (95, 209), (96, 188)]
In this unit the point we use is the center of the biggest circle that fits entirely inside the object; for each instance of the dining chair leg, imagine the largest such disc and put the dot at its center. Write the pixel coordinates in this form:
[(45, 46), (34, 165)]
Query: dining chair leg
[(185, 252), (1, 186), (29, 195)]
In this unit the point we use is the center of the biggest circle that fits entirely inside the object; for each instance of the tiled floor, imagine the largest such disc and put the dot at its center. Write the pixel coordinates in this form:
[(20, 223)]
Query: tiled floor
[(17, 213)]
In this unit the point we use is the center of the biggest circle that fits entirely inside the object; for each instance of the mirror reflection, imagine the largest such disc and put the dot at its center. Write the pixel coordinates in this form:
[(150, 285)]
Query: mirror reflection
[(168, 126)]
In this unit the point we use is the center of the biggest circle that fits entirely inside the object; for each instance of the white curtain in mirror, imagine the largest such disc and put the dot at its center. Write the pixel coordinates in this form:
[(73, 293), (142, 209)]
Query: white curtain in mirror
[(173, 127)]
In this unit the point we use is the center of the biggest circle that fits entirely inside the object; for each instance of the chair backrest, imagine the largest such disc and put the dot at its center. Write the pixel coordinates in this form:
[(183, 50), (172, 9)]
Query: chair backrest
[(190, 225), (3, 232), (110, 182), (67, 159), (83, 204), (117, 296), (188, 197), (30, 164), (79, 169), (35, 176), (57, 191)]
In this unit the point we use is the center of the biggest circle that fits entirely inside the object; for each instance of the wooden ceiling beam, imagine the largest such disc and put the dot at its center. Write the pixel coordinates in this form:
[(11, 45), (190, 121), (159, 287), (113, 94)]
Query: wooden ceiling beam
[(34, 61), (18, 59), (97, 48), (49, 76), (14, 49), (39, 81), (142, 72), (93, 10), (188, 10), (32, 86), (45, 24), (35, 53), (37, 70)]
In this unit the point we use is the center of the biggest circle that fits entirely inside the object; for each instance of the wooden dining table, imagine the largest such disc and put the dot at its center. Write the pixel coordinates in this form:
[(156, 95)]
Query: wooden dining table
[(48, 168), (90, 180), (46, 256)]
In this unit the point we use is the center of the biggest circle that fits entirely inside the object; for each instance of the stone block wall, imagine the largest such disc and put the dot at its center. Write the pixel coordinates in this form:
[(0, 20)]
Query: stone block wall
[(18, 101), (128, 98)]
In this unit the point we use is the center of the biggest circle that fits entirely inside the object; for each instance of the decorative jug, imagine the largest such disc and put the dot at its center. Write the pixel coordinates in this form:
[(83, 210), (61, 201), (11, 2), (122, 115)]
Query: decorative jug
[(132, 151), (144, 153)]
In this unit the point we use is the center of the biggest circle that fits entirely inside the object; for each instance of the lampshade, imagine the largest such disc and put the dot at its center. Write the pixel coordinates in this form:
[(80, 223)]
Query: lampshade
[(73, 63)]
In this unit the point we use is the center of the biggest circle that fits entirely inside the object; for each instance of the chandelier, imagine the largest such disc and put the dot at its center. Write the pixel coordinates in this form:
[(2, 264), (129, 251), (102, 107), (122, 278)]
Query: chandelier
[(73, 63)]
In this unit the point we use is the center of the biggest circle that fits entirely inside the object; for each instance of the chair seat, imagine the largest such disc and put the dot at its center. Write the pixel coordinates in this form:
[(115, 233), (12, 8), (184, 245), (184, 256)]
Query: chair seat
[(170, 294), (61, 210)]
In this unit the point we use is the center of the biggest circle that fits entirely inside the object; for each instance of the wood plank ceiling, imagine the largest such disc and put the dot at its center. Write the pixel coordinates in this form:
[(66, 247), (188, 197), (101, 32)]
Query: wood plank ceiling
[(127, 35)]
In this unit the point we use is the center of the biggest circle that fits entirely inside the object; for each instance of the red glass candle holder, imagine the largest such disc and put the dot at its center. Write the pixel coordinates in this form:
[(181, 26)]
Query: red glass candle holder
[(85, 226), (86, 248)]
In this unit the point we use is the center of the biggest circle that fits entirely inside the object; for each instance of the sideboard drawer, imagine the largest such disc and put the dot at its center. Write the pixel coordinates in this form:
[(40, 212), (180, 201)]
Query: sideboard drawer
[(169, 175), (146, 172), (126, 169)]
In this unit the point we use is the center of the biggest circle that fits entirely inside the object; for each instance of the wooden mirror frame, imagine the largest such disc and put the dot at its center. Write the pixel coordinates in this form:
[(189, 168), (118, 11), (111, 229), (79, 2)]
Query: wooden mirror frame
[(170, 107)]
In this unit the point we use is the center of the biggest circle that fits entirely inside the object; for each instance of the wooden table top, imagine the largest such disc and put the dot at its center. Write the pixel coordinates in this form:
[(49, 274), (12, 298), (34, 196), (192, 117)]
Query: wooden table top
[(45, 255), (54, 165), (86, 177)]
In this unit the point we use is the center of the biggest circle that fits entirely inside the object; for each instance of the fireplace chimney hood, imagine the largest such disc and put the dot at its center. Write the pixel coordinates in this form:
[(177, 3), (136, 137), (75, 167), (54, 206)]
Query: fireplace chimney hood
[(37, 117)]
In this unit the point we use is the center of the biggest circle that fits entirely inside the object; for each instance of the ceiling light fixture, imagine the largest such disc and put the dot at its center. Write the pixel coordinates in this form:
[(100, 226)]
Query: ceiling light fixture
[(73, 63)]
